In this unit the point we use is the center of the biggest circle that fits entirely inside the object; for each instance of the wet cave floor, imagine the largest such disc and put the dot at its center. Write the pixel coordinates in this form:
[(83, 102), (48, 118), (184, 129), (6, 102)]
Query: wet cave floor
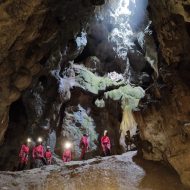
[(122, 172)]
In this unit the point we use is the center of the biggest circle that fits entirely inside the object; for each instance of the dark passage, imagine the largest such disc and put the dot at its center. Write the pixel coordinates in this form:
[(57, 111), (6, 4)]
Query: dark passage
[(15, 134)]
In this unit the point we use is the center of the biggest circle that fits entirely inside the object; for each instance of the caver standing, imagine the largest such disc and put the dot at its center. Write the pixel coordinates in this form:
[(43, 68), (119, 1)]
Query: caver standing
[(84, 145), (38, 154), (105, 143), (48, 156), (67, 154), (23, 155)]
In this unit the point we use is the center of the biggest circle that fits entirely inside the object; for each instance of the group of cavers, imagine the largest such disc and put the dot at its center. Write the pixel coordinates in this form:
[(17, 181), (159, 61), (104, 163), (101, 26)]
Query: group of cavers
[(41, 157)]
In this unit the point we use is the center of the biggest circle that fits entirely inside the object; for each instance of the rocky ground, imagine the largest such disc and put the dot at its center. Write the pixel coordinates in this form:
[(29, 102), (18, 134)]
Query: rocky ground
[(122, 172)]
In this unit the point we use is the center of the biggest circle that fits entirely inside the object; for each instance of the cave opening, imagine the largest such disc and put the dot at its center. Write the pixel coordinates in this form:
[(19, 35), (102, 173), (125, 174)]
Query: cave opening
[(17, 119), (14, 136)]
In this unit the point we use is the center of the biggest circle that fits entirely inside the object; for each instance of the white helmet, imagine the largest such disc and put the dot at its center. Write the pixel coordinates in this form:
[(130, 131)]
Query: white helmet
[(105, 132)]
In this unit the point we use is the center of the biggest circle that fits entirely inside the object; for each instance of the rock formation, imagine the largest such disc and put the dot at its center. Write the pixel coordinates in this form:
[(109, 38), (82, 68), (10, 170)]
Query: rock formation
[(107, 173), (30, 32), (82, 66), (165, 123)]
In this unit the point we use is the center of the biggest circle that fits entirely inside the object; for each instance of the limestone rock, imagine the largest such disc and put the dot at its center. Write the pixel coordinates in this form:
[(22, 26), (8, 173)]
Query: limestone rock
[(14, 94), (4, 119), (22, 79), (97, 173), (136, 60), (30, 33), (76, 46), (78, 122), (167, 133), (94, 64), (162, 125)]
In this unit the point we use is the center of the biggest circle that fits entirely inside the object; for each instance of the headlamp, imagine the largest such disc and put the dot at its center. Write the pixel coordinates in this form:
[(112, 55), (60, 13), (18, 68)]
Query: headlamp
[(39, 139), (29, 140), (67, 145)]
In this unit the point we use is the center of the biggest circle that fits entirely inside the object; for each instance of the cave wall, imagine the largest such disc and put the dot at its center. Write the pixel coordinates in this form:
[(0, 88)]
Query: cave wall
[(30, 32), (40, 39), (164, 119), (81, 116), (42, 58)]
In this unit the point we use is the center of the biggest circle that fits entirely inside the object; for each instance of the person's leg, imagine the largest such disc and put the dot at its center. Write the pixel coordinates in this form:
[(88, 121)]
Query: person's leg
[(43, 161), (35, 163), (23, 166), (48, 161), (127, 147), (83, 151), (19, 166), (107, 152), (38, 163), (32, 164), (104, 150)]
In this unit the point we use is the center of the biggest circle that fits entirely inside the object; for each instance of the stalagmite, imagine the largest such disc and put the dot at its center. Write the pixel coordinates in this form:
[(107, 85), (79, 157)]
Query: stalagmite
[(128, 123)]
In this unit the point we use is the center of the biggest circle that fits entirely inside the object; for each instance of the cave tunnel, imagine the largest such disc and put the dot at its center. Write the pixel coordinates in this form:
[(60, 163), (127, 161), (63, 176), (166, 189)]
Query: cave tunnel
[(94, 94), (15, 134)]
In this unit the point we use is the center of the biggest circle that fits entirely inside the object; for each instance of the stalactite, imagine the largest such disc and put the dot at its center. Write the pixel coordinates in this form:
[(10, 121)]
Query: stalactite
[(128, 123)]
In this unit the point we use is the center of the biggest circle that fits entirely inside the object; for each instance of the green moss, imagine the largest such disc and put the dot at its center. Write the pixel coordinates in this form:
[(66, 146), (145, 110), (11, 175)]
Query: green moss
[(128, 95), (91, 82), (87, 125), (75, 124)]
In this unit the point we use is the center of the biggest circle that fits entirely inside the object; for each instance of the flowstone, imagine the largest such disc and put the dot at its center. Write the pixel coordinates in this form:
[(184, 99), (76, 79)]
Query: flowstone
[(75, 123), (91, 82), (116, 90), (113, 89)]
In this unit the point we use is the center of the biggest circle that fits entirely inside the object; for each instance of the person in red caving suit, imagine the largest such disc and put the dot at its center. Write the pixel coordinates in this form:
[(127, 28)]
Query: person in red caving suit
[(67, 154), (48, 156), (24, 154), (84, 145), (105, 143)]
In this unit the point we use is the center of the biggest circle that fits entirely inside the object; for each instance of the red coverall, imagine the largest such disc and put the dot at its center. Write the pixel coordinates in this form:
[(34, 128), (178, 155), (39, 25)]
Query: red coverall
[(84, 144), (67, 155), (38, 156), (106, 145), (48, 156), (38, 152), (23, 155)]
